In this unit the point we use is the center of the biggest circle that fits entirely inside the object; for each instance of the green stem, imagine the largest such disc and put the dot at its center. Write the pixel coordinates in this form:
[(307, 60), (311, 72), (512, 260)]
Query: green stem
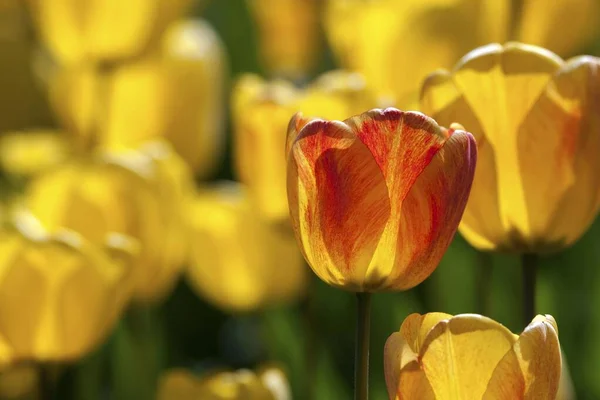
[(310, 362), (529, 266), (484, 282), (46, 384), (361, 357)]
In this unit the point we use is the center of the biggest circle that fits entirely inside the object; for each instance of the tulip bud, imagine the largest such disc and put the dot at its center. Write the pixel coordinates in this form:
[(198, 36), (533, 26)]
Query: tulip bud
[(537, 125), (375, 200), (468, 356)]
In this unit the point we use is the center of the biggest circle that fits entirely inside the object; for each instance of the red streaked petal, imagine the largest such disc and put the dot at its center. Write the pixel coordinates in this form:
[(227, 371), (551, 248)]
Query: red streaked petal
[(338, 199), (296, 124)]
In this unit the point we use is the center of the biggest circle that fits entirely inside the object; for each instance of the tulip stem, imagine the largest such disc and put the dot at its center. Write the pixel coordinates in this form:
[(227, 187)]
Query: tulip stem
[(529, 265), (46, 385), (361, 357)]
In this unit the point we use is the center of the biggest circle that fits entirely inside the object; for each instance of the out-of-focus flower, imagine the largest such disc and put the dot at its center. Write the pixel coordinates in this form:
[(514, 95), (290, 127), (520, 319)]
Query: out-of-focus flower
[(375, 200), (468, 356), (262, 111), (378, 37), (289, 35), (26, 154), (537, 123), (239, 262), (176, 93), (59, 294), (266, 384), (102, 30), (22, 102), (137, 193), (18, 382)]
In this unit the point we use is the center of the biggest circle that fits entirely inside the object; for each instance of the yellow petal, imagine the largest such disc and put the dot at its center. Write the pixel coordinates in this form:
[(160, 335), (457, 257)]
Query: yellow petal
[(28, 153), (459, 355)]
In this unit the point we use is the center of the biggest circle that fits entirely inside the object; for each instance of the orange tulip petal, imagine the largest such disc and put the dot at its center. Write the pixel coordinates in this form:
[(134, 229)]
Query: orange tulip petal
[(338, 200)]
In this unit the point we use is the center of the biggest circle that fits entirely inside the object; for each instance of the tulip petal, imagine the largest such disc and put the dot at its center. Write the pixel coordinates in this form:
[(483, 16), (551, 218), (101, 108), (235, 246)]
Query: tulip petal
[(566, 184), (459, 355), (501, 84), (339, 203), (480, 224), (532, 368)]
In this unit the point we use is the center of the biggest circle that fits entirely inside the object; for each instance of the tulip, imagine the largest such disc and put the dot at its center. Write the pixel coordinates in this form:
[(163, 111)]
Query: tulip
[(375, 200), (102, 30), (289, 40), (377, 37), (238, 262), (59, 294), (536, 121), (175, 93), (267, 384), (261, 113), (469, 356), (25, 154), (134, 193)]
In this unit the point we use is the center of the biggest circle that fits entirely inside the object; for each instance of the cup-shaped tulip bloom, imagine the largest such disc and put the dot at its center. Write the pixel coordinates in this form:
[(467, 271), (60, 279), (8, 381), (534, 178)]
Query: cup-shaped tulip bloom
[(536, 120), (238, 261), (102, 30), (375, 37), (261, 113), (28, 153), (60, 295), (134, 193), (289, 35), (468, 356), (266, 384), (176, 92), (375, 200)]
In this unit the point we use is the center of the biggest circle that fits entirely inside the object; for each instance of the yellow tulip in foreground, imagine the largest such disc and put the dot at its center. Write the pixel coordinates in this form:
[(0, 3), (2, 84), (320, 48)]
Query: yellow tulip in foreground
[(59, 294), (375, 200), (238, 261), (289, 35), (261, 113), (536, 119), (102, 30), (437, 356), (267, 384)]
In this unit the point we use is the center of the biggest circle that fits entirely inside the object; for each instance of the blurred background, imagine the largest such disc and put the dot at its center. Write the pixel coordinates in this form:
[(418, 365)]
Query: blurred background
[(130, 248)]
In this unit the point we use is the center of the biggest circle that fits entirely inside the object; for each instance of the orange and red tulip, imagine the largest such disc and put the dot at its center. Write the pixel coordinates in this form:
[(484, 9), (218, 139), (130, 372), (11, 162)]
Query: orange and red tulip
[(375, 200)]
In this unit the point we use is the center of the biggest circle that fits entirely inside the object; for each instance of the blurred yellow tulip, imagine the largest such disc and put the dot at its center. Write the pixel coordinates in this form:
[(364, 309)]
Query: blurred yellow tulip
[(536, 119), (176, 93), (386, 39), (59, 294), (238, 261), (261, 113), (289, 35), (266, 384), (137, 193), (18, 382), (102, 30), (442, 357), (28, 153)]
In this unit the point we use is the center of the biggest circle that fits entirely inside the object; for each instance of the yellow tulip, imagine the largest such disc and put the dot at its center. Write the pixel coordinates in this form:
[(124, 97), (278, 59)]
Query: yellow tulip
[(384, 39), (134, 193), (289, 35), (59, 294), (375, 200), (438, 356), (266, 384), (537, 125), (26, 154), (175, 93), (102, 30), (238, 261), (261, 113)]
